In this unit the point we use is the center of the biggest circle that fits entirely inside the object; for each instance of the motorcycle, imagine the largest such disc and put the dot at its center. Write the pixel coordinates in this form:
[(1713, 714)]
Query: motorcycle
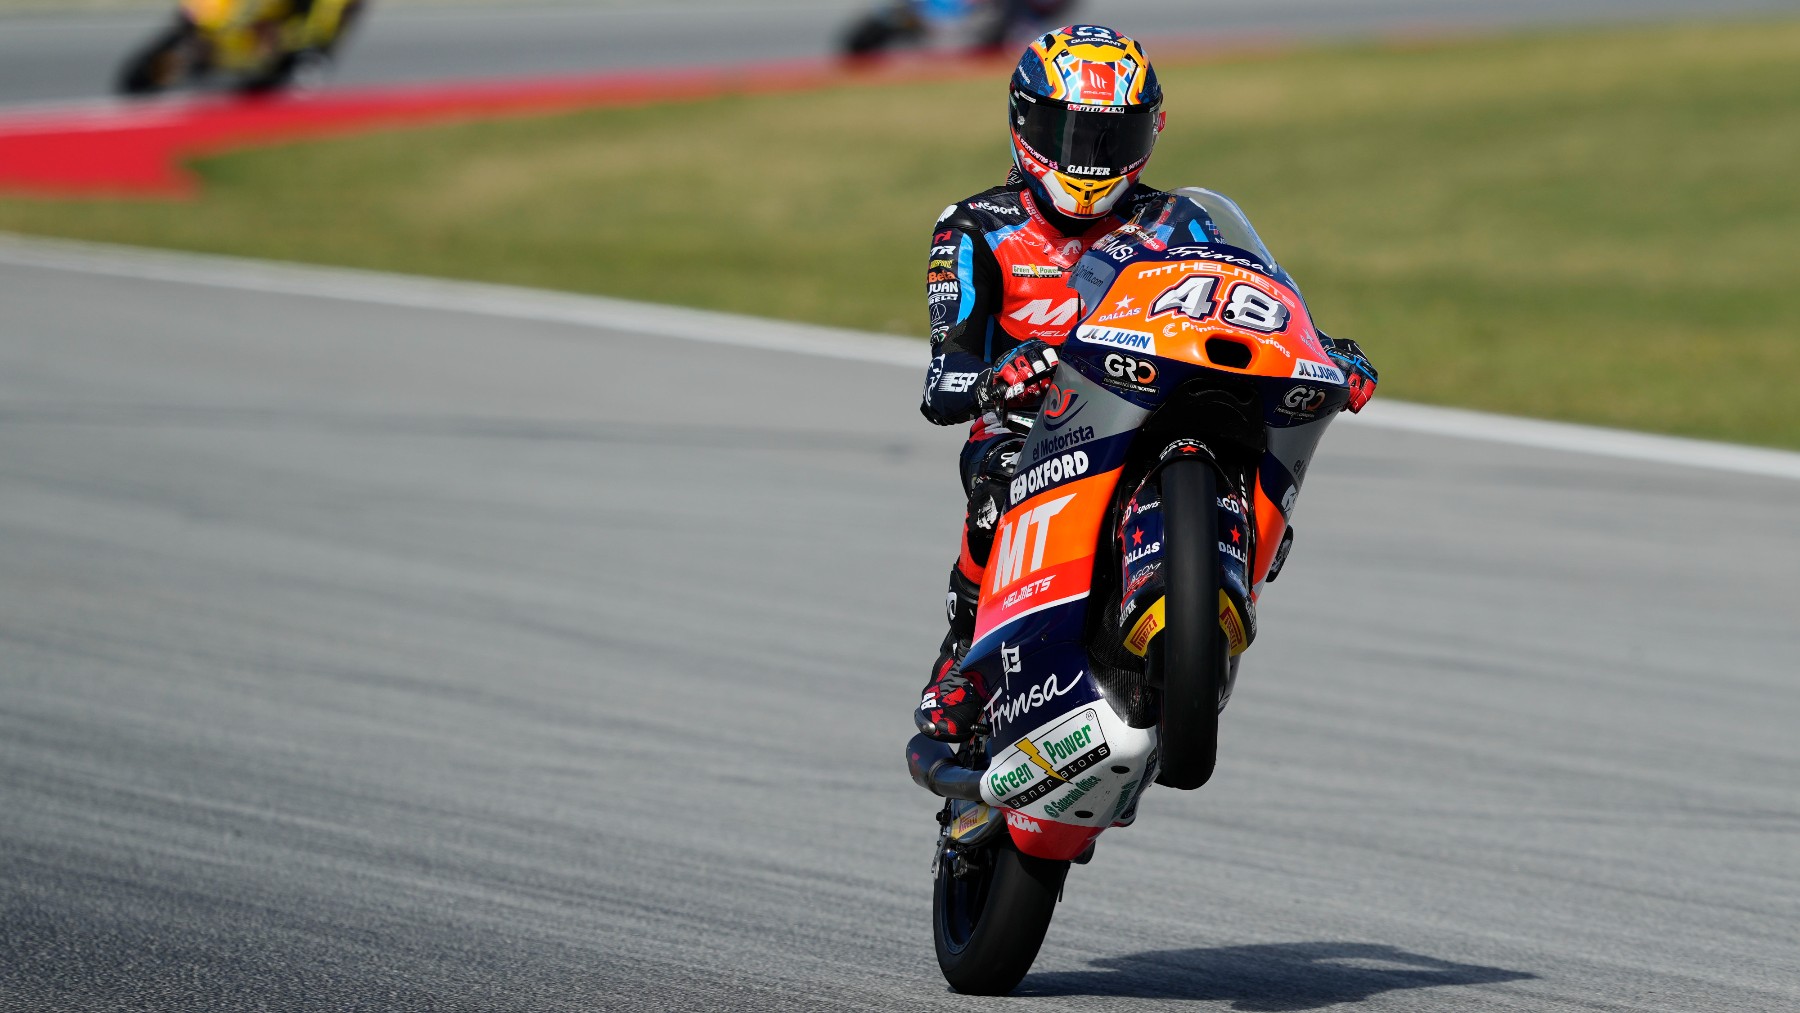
[(262, 45), (1146, 510), (982, 25)]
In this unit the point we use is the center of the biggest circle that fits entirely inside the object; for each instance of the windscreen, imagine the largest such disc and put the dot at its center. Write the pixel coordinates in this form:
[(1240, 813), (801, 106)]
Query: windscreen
[(1233, 226)]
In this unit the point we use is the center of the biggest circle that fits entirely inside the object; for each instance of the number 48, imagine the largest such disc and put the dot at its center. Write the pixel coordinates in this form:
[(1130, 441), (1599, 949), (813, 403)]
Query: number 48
[(1247, 305)]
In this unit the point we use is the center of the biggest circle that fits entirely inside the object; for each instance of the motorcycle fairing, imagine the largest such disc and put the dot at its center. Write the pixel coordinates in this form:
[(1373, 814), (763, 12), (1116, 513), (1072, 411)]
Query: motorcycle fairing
[(1044, 545), (1068, 778), (1064, 763)]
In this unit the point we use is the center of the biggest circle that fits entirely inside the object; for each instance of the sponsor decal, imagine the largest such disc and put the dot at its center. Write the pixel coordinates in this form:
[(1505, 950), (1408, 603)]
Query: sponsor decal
[(1125, 796), (1020, 821), (1306, 369), (1058, 806), (1009, 551), (1089, 170), (1099, 82), (1140, 578), (1191, 253), (1148, 625), (990, 208), (1302, 402), (1041, 762), (1028, 591), (971, 820), (1047, 313), (1139, 553), (932, 373), (1130, 372), (957, 383), (1115, 337), (1042, 476), (1059, 407), (1036, 271), (1011, 708), (1062, 441), (1232, 625)]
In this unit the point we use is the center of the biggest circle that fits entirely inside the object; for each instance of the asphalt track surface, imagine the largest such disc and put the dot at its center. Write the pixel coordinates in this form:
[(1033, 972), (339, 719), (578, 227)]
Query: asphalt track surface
[(59, 57), (366, 657)]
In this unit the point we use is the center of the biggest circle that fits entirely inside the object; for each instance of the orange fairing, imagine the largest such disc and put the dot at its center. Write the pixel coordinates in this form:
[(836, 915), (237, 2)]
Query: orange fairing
[(1271, 524), (1177, 309), (1044, 550)]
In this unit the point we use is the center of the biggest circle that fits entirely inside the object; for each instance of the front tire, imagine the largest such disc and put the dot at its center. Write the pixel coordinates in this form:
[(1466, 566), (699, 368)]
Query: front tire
[(1195, 656), (989, 923), (161, 64)]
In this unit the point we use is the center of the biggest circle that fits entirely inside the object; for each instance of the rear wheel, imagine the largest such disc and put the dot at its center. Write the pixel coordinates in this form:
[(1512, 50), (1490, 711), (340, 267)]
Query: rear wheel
[(990, 910), (1195, 658)]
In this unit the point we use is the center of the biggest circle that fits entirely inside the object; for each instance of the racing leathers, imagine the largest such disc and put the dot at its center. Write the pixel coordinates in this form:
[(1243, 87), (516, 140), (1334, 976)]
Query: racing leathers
[(999, 301)]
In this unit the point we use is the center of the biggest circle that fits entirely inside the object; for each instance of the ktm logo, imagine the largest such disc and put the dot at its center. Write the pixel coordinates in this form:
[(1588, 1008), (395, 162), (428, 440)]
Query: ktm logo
[(1046, 312)]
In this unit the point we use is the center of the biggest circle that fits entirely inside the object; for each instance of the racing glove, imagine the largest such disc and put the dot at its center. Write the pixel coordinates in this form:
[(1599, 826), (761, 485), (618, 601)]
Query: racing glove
[(1018, 379), (1357, 369)]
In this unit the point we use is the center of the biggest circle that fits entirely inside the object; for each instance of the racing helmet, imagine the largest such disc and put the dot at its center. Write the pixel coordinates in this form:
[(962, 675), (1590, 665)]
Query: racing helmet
[(1084, 111)]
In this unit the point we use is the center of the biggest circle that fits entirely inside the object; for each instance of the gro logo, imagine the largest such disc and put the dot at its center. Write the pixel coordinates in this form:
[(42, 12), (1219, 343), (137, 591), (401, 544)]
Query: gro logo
[(1132, 368), (1304, 399)]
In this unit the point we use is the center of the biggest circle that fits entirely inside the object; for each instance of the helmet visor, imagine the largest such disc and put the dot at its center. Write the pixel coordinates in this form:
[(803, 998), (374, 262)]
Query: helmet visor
[(1086, 141)]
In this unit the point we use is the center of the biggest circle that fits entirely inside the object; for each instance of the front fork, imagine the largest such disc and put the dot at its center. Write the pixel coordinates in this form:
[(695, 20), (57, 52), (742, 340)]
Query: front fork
[(1141, 549)]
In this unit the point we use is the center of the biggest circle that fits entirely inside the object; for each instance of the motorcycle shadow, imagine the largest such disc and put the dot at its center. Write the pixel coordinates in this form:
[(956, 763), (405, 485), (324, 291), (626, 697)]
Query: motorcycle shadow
[(1266, 978)]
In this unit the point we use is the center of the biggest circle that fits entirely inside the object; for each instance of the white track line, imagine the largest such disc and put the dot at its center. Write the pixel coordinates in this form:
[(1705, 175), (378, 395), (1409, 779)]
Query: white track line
[(600, 312)]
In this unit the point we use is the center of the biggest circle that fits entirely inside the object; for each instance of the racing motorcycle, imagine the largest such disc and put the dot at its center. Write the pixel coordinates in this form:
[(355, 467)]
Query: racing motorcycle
[(258, 45), (1147, 508), (982, 25)]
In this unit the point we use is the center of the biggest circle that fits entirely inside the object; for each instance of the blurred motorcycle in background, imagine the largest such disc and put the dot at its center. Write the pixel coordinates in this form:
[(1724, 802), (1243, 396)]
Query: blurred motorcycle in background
[(259, 45), (981, 25)]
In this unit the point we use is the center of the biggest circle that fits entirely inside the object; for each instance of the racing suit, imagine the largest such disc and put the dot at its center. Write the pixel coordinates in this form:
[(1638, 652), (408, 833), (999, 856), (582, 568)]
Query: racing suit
[(996, 279)]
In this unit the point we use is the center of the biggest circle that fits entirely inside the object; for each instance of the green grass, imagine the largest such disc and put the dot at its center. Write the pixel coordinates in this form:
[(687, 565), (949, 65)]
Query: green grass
[(1600, 226)]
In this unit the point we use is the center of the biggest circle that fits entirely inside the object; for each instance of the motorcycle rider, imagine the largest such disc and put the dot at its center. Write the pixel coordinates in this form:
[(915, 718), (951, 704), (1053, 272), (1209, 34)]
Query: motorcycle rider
[(1085, 110), (317, 24)]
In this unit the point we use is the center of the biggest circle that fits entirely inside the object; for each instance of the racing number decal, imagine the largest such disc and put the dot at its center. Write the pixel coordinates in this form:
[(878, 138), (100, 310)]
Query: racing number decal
[(1192, 297), (1251, 307), (1246, 306)]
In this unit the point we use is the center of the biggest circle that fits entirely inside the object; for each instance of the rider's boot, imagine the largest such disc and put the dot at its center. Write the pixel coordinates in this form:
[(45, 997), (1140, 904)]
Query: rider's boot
[(952, 703)]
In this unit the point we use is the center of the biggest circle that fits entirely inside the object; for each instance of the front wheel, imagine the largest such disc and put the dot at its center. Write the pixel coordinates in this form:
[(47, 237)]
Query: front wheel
[(1195, 657), (161, 64), (990, 910)]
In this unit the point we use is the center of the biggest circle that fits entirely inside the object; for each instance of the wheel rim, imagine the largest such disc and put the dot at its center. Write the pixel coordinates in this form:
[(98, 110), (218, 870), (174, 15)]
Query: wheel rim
[(960, 901)]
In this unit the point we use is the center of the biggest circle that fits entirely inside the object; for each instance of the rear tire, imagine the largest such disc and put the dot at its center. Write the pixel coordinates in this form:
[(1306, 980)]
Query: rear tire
[(1195, 655), (989, 924)]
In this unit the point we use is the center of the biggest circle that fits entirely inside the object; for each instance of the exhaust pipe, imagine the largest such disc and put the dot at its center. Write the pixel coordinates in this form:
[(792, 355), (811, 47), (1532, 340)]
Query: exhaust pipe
[(933, 767)]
